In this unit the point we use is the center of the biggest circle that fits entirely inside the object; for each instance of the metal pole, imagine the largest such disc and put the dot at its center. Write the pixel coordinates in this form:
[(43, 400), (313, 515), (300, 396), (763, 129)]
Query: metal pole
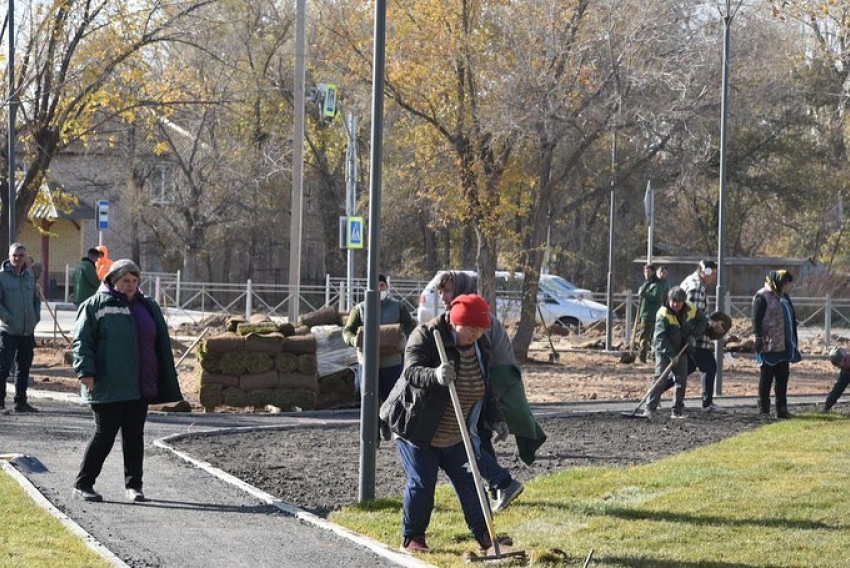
[(369, 403), (609, 319), (13, 110), (650, 236), (721, 205), (351, 202), (297, 213)]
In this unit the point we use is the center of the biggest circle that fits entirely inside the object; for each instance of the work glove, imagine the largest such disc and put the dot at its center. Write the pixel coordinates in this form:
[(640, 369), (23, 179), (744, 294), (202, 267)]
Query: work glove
[(446, 374), (759, 345), (692, 346), (501, 430)]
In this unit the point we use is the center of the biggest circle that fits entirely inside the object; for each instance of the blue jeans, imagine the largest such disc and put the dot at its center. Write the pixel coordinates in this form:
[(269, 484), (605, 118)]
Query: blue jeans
[(18, 350), (493, 473), (422, 464)]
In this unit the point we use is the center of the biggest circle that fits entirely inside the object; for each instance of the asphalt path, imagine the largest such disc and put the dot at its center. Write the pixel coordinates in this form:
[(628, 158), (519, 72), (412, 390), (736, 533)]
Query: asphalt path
[(196, 515), (193, 518)]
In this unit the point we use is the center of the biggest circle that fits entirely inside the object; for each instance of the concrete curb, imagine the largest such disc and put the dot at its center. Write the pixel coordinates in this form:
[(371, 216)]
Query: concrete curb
[(375, 546), (69, 524)]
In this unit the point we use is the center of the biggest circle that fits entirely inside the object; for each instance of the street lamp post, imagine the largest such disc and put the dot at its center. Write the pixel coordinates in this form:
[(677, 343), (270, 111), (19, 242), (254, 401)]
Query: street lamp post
[(13, 110), (297, 212), (609, 324), (369, 384), (721, 204)]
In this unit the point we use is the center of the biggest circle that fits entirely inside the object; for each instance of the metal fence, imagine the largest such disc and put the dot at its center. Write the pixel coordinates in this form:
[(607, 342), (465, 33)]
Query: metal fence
[(824, 315)]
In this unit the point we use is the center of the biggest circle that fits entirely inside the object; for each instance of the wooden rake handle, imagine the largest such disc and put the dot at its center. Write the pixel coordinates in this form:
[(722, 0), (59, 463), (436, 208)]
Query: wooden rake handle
[(470, 451)]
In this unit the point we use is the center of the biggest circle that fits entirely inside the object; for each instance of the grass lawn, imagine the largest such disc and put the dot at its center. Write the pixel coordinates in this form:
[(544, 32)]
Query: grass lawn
[(776, 496), (30, 536)]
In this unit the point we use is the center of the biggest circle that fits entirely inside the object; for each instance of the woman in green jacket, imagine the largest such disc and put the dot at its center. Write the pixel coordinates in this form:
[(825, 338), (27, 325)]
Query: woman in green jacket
[(123, 358)]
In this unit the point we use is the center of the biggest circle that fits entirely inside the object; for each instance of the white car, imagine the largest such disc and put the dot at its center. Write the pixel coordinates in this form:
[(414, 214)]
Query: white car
[(560, 301)]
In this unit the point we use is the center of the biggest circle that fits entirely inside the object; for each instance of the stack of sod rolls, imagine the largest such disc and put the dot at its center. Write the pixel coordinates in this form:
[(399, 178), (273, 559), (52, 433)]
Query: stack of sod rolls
[(256, 364)]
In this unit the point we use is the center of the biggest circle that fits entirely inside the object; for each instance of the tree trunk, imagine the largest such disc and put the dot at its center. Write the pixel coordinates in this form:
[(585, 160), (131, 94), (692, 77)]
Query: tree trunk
[(531, 257)]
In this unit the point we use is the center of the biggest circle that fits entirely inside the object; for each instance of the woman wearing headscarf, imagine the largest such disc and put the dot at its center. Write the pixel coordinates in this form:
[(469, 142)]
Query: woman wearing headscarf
[(123, 358), (775, 329)]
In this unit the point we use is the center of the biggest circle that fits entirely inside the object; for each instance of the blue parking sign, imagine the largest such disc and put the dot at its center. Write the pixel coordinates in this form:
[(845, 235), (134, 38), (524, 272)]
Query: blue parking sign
[(355, 232)]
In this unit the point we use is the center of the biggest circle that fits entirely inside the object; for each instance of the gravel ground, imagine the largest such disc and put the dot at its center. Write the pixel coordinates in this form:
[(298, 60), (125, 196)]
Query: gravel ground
[(317, 468)]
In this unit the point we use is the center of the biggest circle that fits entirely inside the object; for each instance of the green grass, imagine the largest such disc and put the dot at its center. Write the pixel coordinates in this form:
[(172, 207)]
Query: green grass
[(776, 496), (30, 536)]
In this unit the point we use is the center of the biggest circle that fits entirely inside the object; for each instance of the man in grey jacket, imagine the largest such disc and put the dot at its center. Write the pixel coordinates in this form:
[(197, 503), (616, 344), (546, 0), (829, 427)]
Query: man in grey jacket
[(20, 310)]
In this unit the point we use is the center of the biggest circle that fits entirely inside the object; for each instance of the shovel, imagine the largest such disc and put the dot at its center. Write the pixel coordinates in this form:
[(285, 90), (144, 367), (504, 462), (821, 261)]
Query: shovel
[(554, 357), (25, 463), (628, 357), (473, 467), (662, 377)]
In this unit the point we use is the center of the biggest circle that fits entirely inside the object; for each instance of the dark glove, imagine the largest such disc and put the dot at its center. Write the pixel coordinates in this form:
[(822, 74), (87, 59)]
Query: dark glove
[(759, 345), (692, 346), (446, 374), (501, 430)]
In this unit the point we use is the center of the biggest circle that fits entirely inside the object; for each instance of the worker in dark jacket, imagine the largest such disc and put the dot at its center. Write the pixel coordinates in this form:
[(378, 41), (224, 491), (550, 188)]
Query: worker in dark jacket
[(392, 311), (86, 281), (428, 435), (841, 360), (652, 294), (677, 326), (123, 358)]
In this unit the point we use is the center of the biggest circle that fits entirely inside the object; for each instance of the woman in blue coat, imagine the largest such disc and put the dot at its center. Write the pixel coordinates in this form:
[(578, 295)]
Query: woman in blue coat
[(123, 358)]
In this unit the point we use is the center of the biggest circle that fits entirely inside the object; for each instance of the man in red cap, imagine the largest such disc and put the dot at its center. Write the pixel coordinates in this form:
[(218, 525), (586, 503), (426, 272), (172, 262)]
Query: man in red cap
[(422, 417)]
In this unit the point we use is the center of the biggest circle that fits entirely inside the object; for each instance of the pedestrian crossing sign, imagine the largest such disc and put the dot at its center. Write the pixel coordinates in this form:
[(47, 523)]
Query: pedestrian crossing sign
[(355, 232)]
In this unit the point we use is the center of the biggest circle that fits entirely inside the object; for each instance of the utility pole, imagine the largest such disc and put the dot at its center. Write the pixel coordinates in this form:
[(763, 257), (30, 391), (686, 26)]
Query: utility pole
[(297, 212), (609, 323), (13, 111), (721, 217), (369, 401), (649, 204)]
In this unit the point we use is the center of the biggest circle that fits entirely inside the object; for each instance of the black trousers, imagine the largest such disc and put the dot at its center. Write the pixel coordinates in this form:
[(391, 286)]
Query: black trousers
[(16, 350), (128, 416), (768, 374), (838, 389)]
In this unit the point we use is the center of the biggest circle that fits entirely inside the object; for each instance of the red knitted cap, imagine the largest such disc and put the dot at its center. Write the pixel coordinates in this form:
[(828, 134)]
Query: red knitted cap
[(471, 310)]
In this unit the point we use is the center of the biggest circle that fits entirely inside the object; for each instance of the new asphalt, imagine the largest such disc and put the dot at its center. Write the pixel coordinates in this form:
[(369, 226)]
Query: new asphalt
[(197, 516)]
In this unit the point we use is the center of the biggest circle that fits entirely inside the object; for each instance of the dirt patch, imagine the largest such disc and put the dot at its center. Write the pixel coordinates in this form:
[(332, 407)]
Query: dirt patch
[(579, 375), (315, 468)]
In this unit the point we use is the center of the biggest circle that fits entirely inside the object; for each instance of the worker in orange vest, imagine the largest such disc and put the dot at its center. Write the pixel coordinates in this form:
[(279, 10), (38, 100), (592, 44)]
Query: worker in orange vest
[(103, 263)]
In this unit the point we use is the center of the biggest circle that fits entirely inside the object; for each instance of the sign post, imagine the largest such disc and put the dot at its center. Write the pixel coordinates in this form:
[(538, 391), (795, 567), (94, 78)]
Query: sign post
[(102, 218)]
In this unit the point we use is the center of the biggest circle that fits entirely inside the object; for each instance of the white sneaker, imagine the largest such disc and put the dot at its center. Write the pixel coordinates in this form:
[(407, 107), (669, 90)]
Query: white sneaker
[(505, 496), (677, 415), (713, 408), (135, 496), (648, 414)]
